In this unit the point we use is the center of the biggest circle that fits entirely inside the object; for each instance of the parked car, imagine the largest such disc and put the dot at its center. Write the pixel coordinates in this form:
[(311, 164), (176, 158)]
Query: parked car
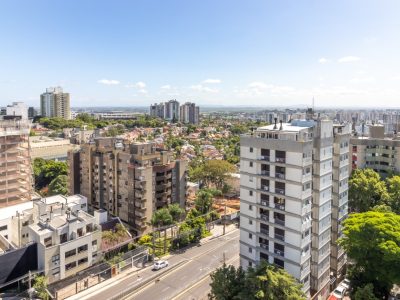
[(159, 264), (339, 292), (345, 283)]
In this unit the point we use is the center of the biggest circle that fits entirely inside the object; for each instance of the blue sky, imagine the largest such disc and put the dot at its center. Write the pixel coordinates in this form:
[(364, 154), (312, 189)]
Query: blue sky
[(131, 53)]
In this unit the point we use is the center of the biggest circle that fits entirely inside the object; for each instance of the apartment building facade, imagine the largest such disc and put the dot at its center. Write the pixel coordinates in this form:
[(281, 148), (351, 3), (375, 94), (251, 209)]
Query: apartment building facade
[(189, 113), (286, 200), (166, 110), (15, 164), (130, 181), (376, 151), (55, 103)]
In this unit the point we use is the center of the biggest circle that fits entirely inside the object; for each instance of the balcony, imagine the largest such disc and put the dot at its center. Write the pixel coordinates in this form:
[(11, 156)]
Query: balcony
[(280, 175), (264, 217), (279, 252), (280, 191), (280, 160), (279, 237), (280, 206), (264, 246), (264, 158), (265, 188), (264, 231), (265, 173), (265, 203), (279, 222)]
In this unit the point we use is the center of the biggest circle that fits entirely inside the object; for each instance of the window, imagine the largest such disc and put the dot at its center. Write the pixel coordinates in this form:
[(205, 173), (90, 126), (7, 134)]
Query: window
[(250, 250), (82, 248), (55, 258), (251, 178), (48, 242), (55, 271), (80, 231), (70, 253), (250, 236), (250, 264), (70, 266), (94, 243), (3, 227), (250, 193), (250, 207), (251, 149), (250, 222), (82, 261), (63, 238)]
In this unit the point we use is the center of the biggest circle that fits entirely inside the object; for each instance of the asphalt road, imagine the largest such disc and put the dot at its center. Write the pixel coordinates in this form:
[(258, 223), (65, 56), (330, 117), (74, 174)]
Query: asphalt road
[(200, 261), (184, 270)]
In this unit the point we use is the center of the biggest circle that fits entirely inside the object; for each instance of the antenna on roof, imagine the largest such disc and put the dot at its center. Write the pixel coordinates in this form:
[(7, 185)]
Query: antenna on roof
[(313, 104)]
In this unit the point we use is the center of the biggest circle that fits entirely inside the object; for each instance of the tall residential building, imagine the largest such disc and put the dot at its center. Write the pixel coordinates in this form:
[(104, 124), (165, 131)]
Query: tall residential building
[(17, 109), (189, 113), (286, 199), (55, 103), (166, 110), (15, 163), (32, 112), (376, 151), (130, 181)]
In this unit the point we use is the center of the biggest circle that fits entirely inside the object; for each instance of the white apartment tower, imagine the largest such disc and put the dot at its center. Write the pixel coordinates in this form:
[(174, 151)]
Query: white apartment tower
[(55, 103), (286, 199)]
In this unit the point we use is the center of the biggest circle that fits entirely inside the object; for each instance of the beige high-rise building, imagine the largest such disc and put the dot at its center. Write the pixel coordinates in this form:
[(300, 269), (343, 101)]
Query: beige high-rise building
[(15, 163), (55, 103), (291, 210), (130, 181)]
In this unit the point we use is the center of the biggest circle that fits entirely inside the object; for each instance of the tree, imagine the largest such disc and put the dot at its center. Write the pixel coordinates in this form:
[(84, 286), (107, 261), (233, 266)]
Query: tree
[(58, 186), (265, 282), (162, 217), (227, 283), (366, 190), (365, 293), (204, 199), (176, 212), (214, 172), (40, 287), (47, 170), (393, 188), (372, 241)]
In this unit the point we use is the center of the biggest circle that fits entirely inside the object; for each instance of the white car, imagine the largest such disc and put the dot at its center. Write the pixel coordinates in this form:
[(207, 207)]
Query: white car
[(159, 264), (339, 292), (345, 283)]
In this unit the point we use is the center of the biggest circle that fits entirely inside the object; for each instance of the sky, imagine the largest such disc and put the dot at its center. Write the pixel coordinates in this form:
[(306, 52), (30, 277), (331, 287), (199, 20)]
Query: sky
[(212, 52)]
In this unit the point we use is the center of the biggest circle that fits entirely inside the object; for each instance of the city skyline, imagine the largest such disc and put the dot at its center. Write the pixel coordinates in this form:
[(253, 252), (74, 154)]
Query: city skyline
[(225, 53)]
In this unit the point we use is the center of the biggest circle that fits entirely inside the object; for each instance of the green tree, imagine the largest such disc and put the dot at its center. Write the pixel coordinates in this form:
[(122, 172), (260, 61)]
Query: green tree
[(365, 293), (393, 188), (176, 212), (213, 172), (227, 283), (366, 190), (162, 217), (40, 287), (205, 199), (372, 241), (265, 282), (47, 170), (58, 186)]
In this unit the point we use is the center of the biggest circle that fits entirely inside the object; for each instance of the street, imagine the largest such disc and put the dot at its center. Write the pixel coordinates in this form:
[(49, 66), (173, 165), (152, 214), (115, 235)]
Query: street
[(185, 270)]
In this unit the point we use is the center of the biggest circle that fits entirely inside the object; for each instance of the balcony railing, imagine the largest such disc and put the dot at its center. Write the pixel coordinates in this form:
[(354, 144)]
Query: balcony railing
[(279, 237), (265, 188), (280, 191), (264, 203), (280, 175), (279, 222), (279, 252), (264, 157), (280, 159), (280, 206), (264, 173), (264, 231), (264, 246), (264, 217)]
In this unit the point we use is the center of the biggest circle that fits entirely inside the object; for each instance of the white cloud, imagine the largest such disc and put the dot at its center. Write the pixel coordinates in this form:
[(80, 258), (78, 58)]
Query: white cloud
[(323, 60), (347, 59), (142, 91), (108, 81), (257, 85), (137, 85), (212, 81), (166, 87), (201, 88), (362, 80), (395, 78)]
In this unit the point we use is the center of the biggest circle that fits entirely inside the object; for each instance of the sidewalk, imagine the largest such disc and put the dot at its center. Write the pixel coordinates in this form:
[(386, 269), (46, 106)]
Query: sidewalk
[(216, 232)]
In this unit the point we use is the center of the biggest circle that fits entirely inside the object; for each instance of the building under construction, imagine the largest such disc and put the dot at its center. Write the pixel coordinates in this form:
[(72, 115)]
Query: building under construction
[(15, 163)]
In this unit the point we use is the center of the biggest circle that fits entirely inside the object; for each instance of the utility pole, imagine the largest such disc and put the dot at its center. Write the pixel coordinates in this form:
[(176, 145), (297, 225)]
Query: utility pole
[(224, 218)]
